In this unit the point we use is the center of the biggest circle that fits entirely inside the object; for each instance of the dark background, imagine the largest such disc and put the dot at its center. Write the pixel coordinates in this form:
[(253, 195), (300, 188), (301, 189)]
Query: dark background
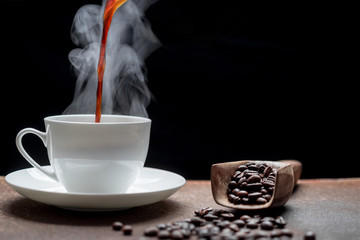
[(233, 80)]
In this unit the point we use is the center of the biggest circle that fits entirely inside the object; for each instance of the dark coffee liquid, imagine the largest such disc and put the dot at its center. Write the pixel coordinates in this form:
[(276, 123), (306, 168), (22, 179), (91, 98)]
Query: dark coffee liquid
[(110, 8)]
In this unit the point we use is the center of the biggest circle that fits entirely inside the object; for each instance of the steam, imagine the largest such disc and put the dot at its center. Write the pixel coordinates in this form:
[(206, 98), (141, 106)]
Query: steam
[(130, 41)]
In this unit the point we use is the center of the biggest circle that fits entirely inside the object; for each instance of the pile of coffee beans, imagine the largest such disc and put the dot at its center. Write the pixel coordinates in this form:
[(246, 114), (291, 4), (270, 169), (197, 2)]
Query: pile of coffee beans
[(216, 224), (252, 183)]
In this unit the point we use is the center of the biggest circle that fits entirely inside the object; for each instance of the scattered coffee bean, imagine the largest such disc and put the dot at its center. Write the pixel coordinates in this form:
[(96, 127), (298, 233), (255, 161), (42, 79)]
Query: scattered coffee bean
[(197, 221), (234, 227), (164, 234), (245, 217), (127, 229), (177, 234), (309, 236), (271, 219), (228, 216), (280, 221), (117, 226), (267, 225), (286, 232), (240, 223), (151, 232), (204, 211), (252, 225), (161, 226), (210, 217), (223, 224), (252, 183), (275, 233)]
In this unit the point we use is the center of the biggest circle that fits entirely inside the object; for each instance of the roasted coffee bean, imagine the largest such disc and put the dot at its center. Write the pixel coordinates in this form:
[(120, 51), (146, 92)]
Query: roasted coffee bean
[(286, 232), (234, 227), (250, 174), (267, 184), (253, 167), (223, 224), (214, 230), (161, 226), (255, 219), (197, 221), (216, 212), (259, 234), (151, 231), (237, 173), (237, 200), (254, 195), (261, 200), (271, 219), (264, 191), (243, 186), (252, 225), (241, 235), (275, 233), (254, 179), (226, 231), (253, 187), (164, 234), (267, 225), (227, 216), (232, 185), (231, 197), (235, 191), (309, 236), (117, 226), (127, 229), (203, 233), (242, 168), (261, 168), (271, 178), (245, 200), (241, 181), (245, 218), (210, 217), (205, 211), (267, 171), (267, 197), (177, 234), (280, 222), (240, 223), (242, 194), (186, 233)]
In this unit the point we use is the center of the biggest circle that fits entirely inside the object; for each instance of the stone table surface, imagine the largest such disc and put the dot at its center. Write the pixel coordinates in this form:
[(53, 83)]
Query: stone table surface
[(329, 207)]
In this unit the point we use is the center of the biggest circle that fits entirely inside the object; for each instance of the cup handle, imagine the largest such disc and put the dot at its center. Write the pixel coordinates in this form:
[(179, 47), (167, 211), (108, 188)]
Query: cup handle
[(42, 136)]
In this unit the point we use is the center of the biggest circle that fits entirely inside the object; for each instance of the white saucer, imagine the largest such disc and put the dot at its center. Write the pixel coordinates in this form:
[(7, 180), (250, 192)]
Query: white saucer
[(152, 185)]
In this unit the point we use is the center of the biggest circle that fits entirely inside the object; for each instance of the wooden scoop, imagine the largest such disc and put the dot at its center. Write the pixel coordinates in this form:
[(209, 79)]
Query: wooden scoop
[(287, 175)]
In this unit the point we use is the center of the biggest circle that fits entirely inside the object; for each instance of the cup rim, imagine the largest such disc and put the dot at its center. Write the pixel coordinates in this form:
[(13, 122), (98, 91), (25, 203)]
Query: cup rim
[(63, 119)]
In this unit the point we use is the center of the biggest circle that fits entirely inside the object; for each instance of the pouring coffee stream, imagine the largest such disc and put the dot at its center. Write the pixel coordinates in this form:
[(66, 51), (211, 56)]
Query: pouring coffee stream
[(110, 7)]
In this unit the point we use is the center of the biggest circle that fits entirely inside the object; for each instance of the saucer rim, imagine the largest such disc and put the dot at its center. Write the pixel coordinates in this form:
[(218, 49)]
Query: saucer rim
[(14, 185)]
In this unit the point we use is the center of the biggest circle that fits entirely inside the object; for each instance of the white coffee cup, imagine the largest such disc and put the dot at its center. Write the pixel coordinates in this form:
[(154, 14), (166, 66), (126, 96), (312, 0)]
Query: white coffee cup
[(89, 157)]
